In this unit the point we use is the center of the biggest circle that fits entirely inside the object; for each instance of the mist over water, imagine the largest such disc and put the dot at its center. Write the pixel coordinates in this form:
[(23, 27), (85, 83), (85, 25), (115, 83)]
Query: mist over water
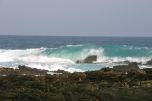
[(53, 53)]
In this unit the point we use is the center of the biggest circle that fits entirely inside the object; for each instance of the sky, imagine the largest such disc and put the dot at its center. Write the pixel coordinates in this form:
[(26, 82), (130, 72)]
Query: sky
[(76, 17)]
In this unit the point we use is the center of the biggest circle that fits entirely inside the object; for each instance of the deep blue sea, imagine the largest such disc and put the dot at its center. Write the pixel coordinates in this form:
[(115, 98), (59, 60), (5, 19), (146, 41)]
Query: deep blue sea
[(61, 52)]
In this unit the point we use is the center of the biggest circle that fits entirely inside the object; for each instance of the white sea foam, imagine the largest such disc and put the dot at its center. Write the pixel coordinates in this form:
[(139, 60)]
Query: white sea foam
[(145, 66), (87, 52), (35, 55), (14, 55), (37, 58), (33, 58), (55, 67), (123, 59), (45, 59)]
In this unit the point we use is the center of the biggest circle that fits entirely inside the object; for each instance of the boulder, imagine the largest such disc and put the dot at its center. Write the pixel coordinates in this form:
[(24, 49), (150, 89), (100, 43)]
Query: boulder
[(89, 59)]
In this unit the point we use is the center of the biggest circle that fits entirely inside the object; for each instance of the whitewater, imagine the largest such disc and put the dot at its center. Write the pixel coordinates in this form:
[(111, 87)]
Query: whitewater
[(65, 57)]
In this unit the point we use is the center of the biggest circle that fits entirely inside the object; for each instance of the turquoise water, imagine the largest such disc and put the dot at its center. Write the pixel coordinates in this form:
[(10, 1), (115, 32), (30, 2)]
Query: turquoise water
[(76, 51), (53, 53)]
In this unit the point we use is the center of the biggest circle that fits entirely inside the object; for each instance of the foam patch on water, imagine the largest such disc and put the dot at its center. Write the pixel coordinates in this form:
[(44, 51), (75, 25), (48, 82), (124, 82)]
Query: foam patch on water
[(145, 66), (55, 67), (104, 59)]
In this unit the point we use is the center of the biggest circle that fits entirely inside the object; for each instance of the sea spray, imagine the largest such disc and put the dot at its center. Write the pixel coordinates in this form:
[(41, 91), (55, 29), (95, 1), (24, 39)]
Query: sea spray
[(64, 57)]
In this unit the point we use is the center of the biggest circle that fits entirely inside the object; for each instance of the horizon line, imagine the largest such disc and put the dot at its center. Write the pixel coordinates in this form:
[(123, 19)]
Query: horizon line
[(77, 35)]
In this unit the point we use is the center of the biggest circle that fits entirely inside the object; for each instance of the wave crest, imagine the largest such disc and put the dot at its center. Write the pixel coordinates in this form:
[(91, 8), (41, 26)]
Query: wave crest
[(63, 57)]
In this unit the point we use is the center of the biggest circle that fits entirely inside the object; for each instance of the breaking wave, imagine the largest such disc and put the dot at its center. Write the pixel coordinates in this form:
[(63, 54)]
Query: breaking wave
[(64, 57)]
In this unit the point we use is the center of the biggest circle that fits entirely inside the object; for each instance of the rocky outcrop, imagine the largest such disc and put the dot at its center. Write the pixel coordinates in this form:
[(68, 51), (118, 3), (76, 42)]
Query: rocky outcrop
[(131, 67), (31, 71), (7, 71), (89, 59), (106, 84), (22, 70)]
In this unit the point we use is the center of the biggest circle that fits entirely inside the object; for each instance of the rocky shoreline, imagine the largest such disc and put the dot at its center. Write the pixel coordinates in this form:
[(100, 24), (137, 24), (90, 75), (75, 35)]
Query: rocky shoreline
[(120, 83)]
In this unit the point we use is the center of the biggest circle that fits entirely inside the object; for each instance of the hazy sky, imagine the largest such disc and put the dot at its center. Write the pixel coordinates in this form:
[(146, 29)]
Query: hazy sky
[(76, 17)]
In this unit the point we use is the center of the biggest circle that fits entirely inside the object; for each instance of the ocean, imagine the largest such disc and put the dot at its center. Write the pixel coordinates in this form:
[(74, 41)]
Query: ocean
[(62, 52)]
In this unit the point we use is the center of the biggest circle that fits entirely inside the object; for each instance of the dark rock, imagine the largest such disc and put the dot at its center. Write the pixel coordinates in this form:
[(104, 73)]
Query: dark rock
[(149, 62), (78, 76), (131, 67), (148, 70), (126, 62), (22, 70), (7, 71), (106, 69), (89, 59), (78, 61), (31, 71)]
